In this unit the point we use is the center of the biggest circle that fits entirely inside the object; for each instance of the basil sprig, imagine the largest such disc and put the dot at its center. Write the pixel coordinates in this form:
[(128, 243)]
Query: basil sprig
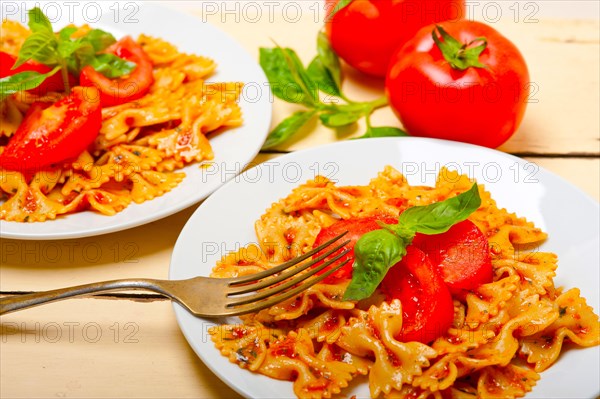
[(63, 53), (378, 250), (318, 88)]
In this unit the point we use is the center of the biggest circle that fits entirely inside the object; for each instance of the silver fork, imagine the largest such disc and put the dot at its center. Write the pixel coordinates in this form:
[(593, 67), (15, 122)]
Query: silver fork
[(210, 297)]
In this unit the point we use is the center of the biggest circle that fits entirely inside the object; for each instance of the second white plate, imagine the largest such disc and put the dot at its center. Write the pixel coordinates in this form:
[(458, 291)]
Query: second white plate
[(225, 222)]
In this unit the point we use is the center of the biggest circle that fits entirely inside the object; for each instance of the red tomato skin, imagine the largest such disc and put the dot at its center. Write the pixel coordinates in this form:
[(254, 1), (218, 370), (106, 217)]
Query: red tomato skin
[(126, 88), (482, 106), (427, 307), (53, 83), (355, 228), (461, 255), (366, 33), (54, 134)]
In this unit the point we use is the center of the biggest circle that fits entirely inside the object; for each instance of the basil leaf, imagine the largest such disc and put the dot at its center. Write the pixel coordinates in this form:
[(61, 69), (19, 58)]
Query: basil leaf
[(340, 118), (83, 55), (374, 253), (282, 81), (66, 32), (383, 131), (23, 81), (439, 217), (112, 66), (66, 48), (40, 46), (301, 76), (38, 22), (329, 59), (287, 128), (322, 77), (340, 4), (99, 39)]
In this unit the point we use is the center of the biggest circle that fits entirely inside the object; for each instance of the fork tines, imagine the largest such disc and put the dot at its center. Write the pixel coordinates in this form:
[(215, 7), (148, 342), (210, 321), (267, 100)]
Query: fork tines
[(261, 290)]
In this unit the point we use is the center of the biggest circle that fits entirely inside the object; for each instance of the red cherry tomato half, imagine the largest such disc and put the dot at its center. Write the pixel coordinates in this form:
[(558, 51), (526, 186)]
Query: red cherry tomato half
[(126, 88), (54, 134), (478, 105), (427, 308), (461, 255), (366, 33), (355, 228), (53, 83)]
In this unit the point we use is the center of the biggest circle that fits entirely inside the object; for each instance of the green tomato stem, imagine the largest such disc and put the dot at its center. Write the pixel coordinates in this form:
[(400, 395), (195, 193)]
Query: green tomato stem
[(460, 56)]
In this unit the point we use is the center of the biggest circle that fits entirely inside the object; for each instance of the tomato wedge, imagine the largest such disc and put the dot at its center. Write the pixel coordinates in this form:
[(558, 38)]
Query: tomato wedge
[(126, 88), (427, 308), (53, 83), (355, 228), (461, 255), (56, 133)]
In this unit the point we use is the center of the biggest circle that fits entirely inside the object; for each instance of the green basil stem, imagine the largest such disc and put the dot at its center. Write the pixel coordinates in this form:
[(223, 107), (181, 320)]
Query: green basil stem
[(368, 122), (365, 107), (460, 56), (379, 103), (64, 72)]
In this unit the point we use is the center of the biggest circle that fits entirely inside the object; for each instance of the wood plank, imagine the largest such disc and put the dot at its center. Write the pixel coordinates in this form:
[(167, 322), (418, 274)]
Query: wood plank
[(101, 348), (582, 173), (143, 251), (563, 58)]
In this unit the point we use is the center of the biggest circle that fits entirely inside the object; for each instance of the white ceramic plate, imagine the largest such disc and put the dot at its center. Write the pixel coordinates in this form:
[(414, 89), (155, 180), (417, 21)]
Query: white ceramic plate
[(234, 149), (225, 222)]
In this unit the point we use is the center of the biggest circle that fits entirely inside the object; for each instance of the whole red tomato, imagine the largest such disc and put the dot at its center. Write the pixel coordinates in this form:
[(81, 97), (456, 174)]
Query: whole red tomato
[(473, 91), (366, 33)]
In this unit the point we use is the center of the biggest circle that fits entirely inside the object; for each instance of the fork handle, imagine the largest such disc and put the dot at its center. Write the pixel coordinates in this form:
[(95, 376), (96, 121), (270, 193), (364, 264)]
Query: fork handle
[(19, 302)]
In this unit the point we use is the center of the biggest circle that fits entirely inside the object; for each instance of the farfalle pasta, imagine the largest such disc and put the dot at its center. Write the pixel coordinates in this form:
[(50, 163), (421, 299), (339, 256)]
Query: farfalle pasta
[(504, 333), (141, 144)]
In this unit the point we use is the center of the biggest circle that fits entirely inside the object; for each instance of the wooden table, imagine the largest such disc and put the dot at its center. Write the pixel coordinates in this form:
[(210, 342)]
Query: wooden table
[(131, 346)]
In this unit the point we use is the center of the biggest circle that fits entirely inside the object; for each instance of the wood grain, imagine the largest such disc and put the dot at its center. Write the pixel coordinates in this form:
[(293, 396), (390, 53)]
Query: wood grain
[(101, 348)]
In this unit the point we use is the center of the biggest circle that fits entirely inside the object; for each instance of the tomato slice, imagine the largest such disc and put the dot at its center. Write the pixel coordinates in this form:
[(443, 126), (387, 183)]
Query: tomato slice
[(59, 132), (461, 255), (427, 307), (355, 228), (53, 83), (126, 88)]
